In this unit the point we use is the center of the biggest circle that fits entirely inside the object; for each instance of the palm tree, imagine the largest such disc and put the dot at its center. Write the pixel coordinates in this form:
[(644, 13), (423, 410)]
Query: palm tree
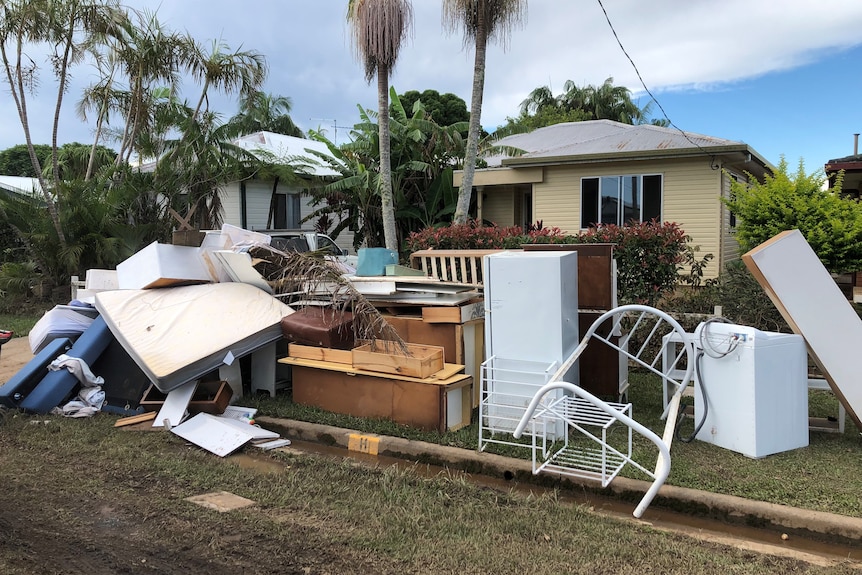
[(613, 103), (481, 20), (237, 71), (149, 57), (265, 112), (379, 29), (68, 29)]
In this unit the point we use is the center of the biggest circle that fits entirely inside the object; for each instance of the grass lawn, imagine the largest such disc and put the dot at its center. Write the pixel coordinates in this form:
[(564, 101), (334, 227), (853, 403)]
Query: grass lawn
[(825, 476)]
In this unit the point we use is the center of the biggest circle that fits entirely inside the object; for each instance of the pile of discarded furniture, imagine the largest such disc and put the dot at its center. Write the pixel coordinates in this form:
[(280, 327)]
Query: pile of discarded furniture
[(175, 327)]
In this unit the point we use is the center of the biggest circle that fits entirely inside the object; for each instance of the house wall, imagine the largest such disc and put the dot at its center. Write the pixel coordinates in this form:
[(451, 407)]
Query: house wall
[(258, 194), (690, 198), (498, 205)]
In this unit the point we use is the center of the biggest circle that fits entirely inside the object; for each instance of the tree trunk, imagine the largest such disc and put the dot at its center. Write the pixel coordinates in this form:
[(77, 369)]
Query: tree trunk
[(17, 89), (465, 192), (390, 236), (61, 90), (272, 203)]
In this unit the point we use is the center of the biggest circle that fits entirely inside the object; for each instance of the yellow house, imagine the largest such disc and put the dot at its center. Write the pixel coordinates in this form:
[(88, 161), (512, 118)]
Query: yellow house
[(574, 175)]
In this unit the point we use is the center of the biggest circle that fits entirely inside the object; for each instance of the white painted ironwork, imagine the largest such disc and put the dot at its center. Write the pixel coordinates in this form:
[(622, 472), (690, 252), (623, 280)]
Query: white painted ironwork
[(581, 411)]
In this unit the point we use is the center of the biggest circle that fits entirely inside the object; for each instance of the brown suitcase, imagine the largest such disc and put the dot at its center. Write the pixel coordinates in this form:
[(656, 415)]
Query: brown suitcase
[(321, 327)]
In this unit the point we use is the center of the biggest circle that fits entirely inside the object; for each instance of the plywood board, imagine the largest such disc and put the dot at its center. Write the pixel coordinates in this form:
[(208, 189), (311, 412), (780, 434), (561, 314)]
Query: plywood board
[(214, 434), (174, 408), (449, 374), (812, 303)]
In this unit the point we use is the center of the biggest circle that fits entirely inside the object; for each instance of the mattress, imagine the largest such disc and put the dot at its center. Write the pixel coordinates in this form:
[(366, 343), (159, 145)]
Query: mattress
[(63, 321), (23, 382), (178, 334)]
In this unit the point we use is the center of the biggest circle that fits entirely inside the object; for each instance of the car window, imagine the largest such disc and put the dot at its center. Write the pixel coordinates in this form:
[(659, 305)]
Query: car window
[(290, 244), (326, 244)]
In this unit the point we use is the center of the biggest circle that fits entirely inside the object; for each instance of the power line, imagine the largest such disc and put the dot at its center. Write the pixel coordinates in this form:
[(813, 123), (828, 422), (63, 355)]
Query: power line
[(654, 99)]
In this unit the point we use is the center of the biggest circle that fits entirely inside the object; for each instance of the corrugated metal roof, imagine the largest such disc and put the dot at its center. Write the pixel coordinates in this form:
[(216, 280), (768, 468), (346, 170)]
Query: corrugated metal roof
[(287, 148), (21, 185), (603, 137)]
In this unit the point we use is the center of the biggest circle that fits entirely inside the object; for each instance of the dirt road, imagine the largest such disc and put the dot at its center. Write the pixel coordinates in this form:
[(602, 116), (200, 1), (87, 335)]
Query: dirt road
[(14, 355)]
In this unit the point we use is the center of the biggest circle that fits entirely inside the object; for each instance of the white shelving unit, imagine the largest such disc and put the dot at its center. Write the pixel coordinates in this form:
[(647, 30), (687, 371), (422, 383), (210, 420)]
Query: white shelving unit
[(601, 461), (508, 386)]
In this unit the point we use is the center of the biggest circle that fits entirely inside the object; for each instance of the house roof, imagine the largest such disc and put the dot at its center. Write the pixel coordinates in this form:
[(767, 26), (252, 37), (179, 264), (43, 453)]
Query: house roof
[(852, 168), (605, 139), (289, 148), (20, 185)]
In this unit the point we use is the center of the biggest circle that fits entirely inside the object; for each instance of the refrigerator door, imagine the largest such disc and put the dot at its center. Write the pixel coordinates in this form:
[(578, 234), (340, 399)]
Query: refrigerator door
[(531, 305)]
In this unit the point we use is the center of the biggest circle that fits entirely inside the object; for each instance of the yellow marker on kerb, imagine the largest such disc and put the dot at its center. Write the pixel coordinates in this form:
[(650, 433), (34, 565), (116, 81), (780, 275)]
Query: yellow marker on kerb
[(363, 443)]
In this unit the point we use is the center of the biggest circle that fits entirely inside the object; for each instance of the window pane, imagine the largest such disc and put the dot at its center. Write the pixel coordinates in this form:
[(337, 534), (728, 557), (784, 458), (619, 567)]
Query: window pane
[(610, 200), (631, 199), (589, 202), (652, 198), (293, 211), (280, 219)]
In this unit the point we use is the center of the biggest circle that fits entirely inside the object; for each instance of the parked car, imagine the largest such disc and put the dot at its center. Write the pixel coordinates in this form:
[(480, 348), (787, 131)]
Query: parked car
[(303, 241), (308, 241)]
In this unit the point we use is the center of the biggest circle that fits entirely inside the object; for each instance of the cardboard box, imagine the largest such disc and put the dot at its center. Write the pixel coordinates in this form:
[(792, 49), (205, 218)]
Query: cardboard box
[(162, 265), (388, 357), (209, 397)]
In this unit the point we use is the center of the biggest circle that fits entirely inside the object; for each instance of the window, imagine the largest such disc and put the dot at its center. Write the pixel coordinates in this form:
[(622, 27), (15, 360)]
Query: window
[(732, 215), (287, 214), (620, 199)]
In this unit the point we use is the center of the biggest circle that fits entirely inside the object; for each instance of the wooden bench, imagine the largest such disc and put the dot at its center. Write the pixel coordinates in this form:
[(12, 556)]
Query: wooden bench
[(461, 266)]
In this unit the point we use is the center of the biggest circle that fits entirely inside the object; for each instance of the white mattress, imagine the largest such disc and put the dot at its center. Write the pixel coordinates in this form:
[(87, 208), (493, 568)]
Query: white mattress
[(178, 334)]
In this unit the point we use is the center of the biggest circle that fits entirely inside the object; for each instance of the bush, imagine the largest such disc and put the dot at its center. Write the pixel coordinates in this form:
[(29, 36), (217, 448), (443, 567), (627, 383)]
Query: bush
[(831, 224), (649, 255)]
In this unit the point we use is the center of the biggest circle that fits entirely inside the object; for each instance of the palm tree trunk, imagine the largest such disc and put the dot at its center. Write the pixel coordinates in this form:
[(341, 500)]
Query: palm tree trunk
[(465, 193), (16, 87), (390, 236), (61, 89)]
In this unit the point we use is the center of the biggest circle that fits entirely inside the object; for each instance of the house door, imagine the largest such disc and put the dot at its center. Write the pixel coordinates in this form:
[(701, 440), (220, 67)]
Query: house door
[(526, 201), (286, 212)]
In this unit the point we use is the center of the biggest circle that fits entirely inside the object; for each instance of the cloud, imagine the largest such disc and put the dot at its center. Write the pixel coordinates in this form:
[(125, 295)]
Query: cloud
[(677, 45)]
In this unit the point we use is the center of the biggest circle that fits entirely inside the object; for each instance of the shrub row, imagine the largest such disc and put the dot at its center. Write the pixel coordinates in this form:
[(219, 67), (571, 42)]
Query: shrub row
[(649, 255)]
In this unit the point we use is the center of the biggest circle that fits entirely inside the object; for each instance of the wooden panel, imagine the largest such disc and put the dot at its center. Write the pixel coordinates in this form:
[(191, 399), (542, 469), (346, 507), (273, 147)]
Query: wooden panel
[(599, 364), (445, 335), (403, 400), (320, 353), (814, 306), (454, 314), (596, 288)]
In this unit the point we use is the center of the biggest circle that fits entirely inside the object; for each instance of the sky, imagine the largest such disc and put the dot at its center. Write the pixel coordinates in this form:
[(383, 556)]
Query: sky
[(785, 76)]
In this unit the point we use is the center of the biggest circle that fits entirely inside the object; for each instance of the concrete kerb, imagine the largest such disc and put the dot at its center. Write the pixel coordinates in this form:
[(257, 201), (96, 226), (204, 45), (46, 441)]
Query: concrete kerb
[(813, 524)]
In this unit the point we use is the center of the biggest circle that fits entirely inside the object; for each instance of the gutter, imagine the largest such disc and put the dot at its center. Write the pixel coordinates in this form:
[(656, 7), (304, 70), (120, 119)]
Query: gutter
[(525, 161), (816, 525)]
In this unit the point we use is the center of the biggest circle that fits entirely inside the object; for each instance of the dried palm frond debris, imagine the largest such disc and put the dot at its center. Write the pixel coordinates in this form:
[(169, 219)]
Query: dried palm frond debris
[(317, 279)]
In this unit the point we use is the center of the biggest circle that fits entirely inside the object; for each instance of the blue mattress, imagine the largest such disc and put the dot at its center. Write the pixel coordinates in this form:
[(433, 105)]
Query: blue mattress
[(56, 387), (29, 376)]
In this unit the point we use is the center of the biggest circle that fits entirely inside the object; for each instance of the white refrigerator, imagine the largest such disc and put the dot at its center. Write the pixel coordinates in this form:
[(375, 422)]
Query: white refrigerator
[(531, 305), (531, 328)]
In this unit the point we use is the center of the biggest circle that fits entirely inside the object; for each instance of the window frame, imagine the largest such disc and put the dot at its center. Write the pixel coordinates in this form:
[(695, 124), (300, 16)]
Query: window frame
[(634, 181)]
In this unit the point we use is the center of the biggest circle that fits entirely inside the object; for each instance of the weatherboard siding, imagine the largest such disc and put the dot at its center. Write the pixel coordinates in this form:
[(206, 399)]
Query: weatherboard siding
[(498, 206), (691, 198)]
